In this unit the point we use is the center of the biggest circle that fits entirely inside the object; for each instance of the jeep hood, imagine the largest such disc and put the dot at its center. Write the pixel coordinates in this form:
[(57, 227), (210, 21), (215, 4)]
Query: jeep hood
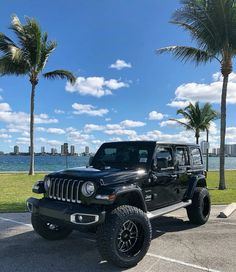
[(104, 176)]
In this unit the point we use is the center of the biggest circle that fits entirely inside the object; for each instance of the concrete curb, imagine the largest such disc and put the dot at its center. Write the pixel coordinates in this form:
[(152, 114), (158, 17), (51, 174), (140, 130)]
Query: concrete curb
[(228, 211)]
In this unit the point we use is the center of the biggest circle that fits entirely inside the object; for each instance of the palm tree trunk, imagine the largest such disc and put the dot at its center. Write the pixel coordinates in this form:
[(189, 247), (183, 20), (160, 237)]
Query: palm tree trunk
[(31, 170), (222, 185), (207, 150)]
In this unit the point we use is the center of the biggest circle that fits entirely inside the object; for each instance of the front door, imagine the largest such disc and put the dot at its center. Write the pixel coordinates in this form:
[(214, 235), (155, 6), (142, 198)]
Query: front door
[(160, 190)]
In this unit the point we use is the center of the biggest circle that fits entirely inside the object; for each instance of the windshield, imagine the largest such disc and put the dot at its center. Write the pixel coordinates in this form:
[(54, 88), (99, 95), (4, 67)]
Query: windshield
[(124, 155)]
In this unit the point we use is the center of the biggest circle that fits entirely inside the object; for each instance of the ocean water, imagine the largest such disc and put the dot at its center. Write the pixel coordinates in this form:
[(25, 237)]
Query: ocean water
[(53, 163)]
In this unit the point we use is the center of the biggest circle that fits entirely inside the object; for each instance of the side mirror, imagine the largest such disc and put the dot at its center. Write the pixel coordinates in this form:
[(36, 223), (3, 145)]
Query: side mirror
[(90, 160)]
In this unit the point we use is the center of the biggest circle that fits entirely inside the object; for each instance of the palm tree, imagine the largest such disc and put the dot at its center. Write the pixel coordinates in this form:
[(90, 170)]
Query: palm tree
[(197, 118), (29, 56), (211, 24)]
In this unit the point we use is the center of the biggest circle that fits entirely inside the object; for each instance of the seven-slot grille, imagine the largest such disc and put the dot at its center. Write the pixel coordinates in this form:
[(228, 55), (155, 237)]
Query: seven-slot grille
[(64, 189)]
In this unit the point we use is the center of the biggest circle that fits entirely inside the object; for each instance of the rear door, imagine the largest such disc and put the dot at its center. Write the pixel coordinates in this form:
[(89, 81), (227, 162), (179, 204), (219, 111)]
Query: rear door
[(183, 171)]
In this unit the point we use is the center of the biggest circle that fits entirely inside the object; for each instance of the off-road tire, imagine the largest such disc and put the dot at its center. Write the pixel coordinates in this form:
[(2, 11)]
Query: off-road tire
[(42, 227), (114, 231), (199, 211)]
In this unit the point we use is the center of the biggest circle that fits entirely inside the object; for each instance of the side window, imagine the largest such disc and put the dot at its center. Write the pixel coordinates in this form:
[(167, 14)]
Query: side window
[(182, 156), (164, 157), (196, 156)]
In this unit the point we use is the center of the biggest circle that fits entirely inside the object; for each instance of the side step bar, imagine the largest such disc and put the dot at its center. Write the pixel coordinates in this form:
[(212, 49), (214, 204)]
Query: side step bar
[(168, 209)]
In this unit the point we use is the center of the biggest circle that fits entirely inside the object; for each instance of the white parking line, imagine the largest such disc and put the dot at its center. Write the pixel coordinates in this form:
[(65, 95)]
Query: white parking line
[(16, 222), (182, 263)]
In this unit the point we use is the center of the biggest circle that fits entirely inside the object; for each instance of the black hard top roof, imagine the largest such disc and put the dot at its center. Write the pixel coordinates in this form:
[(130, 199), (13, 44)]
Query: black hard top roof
[(155, 142)]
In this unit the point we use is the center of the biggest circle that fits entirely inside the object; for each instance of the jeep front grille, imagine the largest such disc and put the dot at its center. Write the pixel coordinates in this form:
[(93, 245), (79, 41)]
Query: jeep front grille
[(64, 189)]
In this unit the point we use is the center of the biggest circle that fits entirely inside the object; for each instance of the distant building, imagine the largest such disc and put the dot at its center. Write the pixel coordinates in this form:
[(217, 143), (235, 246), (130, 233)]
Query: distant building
[(204, 145), (43, 149), (53, 151), (64, 149), (29, 150), (233, 150), (86, 150), (216, 151), (16, 150), (72, 150), (228, 149)]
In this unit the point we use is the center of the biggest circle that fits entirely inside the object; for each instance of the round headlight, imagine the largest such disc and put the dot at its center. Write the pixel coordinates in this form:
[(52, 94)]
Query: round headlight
[(88, 188), (47, 183)]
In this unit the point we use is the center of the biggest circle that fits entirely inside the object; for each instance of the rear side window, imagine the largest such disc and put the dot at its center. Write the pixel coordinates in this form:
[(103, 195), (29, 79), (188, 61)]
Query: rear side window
[(182, 156), (196, 156)]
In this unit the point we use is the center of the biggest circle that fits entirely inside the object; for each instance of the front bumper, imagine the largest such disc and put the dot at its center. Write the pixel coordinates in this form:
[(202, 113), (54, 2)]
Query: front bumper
[(66, 213)]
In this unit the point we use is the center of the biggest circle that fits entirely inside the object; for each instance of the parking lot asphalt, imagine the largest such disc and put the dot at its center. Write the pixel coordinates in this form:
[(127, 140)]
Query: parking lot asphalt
[(176, 246)]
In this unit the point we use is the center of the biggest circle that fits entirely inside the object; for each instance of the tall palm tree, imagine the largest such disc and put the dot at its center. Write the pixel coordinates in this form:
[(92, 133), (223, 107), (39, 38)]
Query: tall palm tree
[(197, 118), (29, 56), (211, 24)]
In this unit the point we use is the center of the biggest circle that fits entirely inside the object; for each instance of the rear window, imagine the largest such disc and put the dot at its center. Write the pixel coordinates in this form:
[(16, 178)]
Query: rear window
[(196, 156)]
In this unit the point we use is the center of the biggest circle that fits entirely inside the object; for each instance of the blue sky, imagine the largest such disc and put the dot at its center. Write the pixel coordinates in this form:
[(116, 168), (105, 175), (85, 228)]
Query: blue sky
[(124, 91)]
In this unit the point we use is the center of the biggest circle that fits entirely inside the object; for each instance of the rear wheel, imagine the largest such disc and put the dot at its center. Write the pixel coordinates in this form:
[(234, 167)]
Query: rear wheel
[(199, 211), (125, 236), (49, 230)]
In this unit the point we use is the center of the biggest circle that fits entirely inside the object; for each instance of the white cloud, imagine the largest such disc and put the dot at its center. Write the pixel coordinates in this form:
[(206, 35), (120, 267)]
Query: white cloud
[(23, 118), (113, 126), (23, 140), (1, 98), (5, 136), (121, 132), (76, 136), (52, 143), (5, 107), (57, 111), (178, 104), (95, 86), (107, 119), (56, 131), (131, 123), (172, 123), (156, 135), (154, 115), (207, 92), (120, 64), (88, 109), (115, 139), (91, 127)]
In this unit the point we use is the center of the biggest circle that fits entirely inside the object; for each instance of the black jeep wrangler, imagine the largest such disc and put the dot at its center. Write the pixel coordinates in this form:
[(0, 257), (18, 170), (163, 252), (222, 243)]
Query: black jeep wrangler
[(125, 186)]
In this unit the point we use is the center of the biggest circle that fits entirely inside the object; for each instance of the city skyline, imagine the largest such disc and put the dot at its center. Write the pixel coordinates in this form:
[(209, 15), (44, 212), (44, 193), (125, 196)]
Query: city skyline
[(123, 91)]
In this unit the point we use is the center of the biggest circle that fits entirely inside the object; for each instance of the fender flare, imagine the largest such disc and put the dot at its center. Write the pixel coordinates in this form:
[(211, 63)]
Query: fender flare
[(195, 181), (137, 197)]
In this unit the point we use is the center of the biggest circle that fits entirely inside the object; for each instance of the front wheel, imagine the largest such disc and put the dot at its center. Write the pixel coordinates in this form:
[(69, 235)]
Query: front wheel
[(125, 237), (199, 211), (49, 230)]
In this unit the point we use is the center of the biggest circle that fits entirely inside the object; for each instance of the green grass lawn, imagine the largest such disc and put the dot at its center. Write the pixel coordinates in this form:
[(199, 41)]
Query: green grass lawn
[(16, 188)]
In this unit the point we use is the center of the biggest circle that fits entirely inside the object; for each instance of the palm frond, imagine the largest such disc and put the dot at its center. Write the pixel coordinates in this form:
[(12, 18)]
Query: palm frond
[(11, 67), (64, 74), (186, 53), (186, 125), (46, 49)]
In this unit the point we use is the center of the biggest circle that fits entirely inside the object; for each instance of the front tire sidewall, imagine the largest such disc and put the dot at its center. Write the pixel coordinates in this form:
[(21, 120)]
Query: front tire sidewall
[(108, 233)]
